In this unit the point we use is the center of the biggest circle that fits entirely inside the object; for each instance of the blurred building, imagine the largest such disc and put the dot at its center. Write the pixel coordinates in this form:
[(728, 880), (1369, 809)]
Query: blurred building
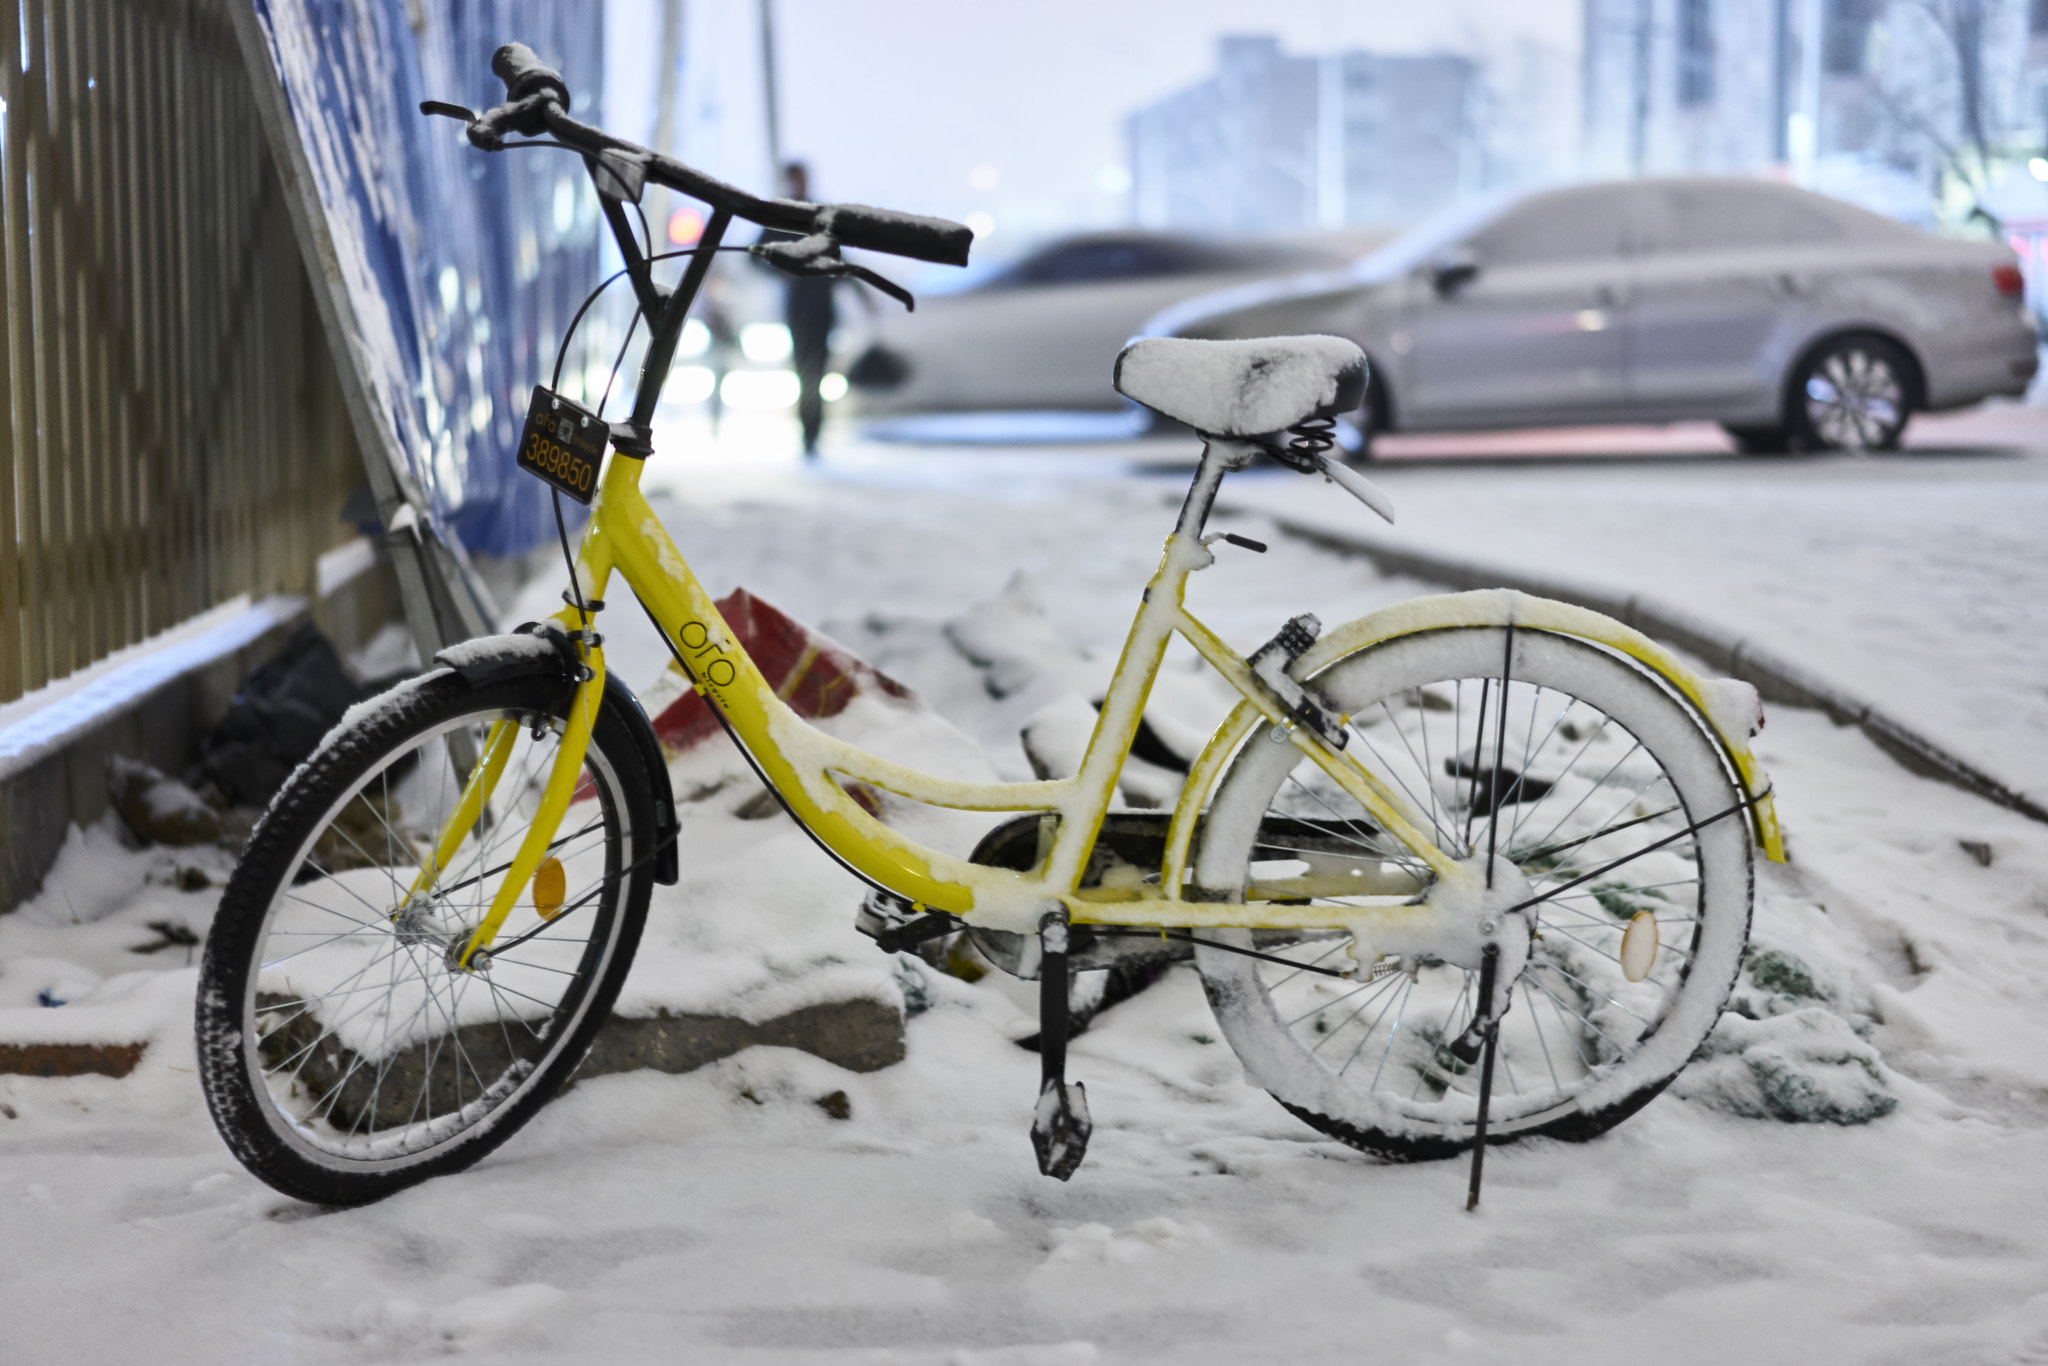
[(1888, 102), (1273, 143)]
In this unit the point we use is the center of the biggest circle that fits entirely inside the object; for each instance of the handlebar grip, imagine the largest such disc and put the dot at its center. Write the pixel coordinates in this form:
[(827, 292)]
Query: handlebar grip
[(899, 234), (525, 74)]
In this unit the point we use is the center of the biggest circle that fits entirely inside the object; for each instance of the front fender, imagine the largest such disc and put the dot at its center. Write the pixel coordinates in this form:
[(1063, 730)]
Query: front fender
[(545, 650), (1729, 709)]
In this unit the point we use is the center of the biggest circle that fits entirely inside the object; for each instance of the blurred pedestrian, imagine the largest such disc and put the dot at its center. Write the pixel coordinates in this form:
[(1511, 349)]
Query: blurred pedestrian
[(810, 312), (716, 315)]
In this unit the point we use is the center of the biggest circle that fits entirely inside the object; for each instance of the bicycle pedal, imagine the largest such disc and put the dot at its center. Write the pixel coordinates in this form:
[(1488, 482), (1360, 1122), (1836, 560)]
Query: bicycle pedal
[(915, 932), (1060, 1128), (895, 925)]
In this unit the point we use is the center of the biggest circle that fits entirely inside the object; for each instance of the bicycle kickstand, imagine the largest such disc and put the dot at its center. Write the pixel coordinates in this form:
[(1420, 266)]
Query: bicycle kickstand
[(1059, 1124), (1488, 1026)]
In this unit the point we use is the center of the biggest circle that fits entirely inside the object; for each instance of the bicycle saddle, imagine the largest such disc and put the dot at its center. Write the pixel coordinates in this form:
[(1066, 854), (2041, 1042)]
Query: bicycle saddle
[(1243, 389)]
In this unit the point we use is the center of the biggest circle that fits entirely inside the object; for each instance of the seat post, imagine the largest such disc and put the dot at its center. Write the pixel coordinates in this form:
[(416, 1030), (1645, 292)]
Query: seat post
[(1220, 455)]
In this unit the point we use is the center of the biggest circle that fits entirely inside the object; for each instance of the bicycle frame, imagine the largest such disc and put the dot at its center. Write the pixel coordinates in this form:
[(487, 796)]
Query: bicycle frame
[(806, 767)]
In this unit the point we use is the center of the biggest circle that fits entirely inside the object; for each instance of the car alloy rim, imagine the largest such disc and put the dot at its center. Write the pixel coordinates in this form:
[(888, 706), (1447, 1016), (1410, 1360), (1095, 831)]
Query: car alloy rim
[(1853, 399)]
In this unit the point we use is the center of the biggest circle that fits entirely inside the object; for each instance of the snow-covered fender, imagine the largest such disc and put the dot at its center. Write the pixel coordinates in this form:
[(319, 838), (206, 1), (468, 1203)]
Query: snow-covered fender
[(1730, 709), (544, 649)]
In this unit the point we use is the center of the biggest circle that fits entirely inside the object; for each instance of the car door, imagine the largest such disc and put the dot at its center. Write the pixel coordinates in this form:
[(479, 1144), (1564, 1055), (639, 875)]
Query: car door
[(1724, 266), (1046, 334), (1537, 331)]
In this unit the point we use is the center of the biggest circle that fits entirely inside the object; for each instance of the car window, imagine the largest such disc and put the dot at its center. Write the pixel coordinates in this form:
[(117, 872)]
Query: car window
[(1074, 262), (1084, 260), (1730, 217), (1570, 225)]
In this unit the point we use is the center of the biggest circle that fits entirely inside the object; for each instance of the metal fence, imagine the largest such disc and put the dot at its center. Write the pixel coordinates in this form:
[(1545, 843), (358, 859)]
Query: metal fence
[(174, 433)]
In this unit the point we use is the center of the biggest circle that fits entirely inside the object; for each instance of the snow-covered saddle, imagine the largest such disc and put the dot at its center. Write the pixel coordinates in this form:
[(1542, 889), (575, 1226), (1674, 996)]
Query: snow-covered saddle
[(1243, 388)]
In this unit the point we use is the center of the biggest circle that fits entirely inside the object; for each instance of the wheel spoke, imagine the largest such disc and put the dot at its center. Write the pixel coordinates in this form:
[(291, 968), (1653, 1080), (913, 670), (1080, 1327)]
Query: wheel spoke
[(1536, 1027), (1435, 824), (1593, 735), (1633, 750), (1478, 744), (1549, 850), (1334, 946), (1333, 1032), (1366, 1037), (1393, 772), (1500, 745)]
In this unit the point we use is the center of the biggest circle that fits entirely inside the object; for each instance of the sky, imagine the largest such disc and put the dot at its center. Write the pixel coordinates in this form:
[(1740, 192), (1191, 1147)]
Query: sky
[(953, 107)]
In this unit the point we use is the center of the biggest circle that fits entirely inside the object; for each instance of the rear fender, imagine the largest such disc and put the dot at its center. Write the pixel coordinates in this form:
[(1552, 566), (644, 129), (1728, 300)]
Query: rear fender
[(1729, 709)]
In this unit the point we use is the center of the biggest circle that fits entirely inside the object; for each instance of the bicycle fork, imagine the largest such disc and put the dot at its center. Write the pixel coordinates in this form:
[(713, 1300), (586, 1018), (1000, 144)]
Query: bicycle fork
[(556, 796)]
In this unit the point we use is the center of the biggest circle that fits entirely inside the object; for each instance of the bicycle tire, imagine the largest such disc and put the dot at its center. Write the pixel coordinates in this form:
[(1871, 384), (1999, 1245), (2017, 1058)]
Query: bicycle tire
[(1367, 1060), (337, 1088)]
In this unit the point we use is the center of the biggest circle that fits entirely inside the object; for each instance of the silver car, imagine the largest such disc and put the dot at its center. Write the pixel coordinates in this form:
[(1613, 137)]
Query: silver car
[(1044, 332), (1793, 320)]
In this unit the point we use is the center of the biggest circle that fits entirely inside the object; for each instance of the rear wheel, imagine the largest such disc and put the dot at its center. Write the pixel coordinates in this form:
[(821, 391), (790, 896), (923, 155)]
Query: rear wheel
[(343, 1053), (1600, 770)]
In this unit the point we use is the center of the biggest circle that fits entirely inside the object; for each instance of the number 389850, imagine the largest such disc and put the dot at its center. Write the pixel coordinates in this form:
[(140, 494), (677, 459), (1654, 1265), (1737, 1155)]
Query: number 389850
[(557, 463)]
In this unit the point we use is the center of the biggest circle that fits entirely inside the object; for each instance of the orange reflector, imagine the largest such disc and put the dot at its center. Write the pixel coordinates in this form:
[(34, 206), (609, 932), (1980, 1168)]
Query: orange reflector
[(550, 885), (1639, 946)]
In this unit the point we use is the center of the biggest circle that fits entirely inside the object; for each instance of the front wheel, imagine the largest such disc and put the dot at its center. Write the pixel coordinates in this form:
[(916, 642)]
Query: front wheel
[(1565, 759), (343, 1053)]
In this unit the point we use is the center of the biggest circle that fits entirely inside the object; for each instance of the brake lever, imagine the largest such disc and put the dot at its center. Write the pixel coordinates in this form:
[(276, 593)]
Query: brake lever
[(880, 282), (487, 131), (811, 256), (447, 110)]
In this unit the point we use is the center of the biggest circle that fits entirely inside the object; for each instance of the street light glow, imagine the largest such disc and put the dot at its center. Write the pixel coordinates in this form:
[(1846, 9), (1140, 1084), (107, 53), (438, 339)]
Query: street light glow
[(766, 343), (759, 390), (690, 384)]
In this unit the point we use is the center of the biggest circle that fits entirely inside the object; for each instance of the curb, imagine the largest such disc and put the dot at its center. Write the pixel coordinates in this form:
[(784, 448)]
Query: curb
[(1777, 679)]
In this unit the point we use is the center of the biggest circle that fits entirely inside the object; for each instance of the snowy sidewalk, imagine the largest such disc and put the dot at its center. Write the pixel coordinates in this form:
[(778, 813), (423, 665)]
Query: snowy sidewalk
[(724, 1216)]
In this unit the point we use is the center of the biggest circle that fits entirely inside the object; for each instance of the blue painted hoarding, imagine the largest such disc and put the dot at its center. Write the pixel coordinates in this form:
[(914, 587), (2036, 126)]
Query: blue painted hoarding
[(462, 267)]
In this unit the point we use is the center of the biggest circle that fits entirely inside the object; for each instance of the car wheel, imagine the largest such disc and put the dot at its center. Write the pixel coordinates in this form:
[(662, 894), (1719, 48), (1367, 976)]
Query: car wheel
[(1354, 437), (1365, 423), (1852, 394)]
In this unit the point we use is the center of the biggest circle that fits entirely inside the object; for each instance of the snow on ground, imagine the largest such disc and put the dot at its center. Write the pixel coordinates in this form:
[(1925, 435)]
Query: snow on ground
[(724, 1216)]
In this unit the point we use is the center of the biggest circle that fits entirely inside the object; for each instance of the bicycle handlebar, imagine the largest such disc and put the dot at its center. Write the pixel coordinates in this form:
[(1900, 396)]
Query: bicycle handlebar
[(537, 101)]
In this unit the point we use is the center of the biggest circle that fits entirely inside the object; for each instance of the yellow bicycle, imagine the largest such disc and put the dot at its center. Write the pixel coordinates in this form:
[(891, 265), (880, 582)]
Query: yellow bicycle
[(1474, 867)]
